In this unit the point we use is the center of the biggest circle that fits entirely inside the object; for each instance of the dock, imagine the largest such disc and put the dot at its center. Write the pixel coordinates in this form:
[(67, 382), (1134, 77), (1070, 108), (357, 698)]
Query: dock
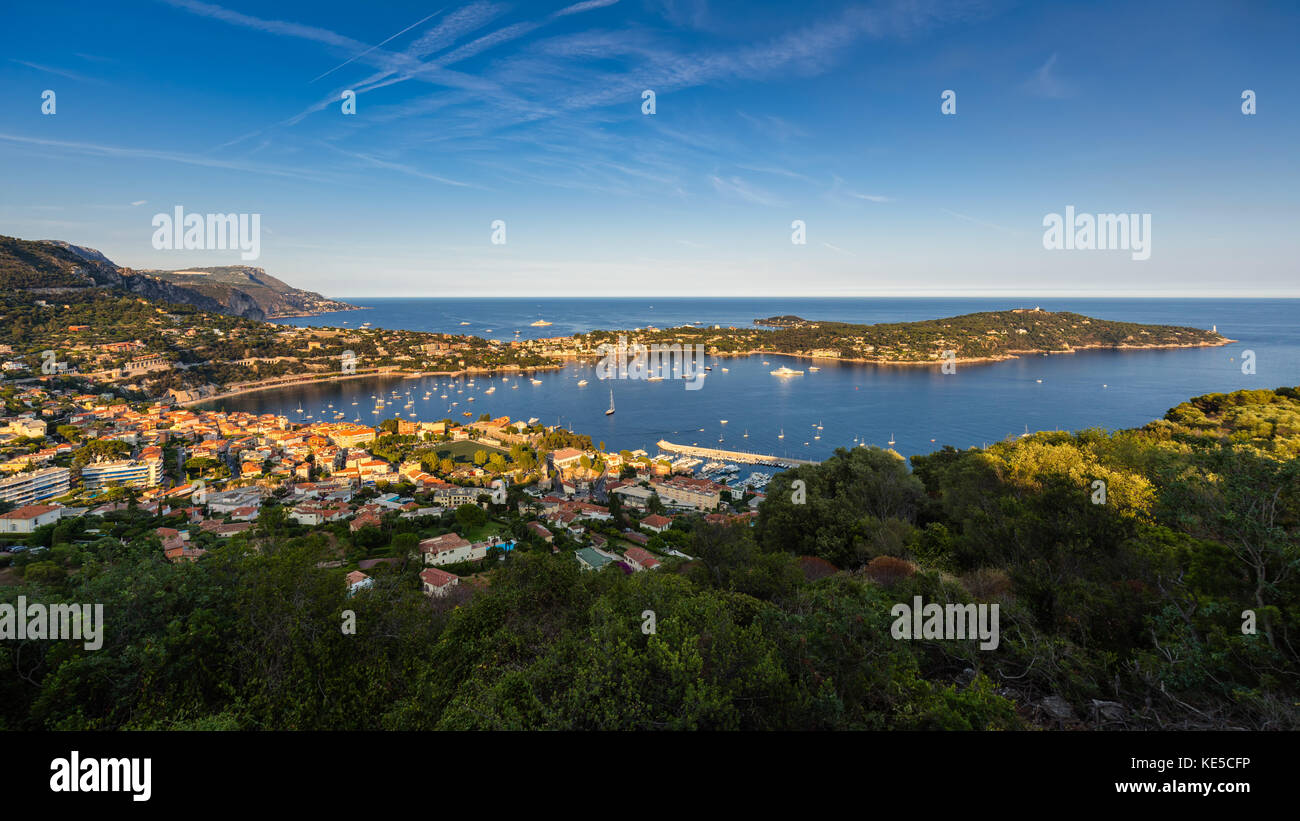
[(734, 455)]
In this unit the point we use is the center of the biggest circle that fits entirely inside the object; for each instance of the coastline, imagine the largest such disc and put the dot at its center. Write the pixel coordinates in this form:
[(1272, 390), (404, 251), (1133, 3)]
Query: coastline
[(396, 373), (979, 360), (317, 313)]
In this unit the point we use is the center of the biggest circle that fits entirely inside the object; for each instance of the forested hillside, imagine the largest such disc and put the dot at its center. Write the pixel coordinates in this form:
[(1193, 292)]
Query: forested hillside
[(1124, 613)]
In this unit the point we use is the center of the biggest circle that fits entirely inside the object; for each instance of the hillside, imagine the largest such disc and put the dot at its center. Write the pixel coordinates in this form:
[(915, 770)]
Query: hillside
[(272, 295), (54, 265), (987, 335), (981, 337)]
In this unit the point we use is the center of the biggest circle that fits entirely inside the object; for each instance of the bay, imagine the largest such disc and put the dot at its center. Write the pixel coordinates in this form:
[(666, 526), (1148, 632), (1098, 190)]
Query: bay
[(921, 409)]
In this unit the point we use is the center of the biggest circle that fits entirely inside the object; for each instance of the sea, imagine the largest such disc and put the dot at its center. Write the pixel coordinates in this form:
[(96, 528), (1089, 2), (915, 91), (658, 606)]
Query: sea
[(914, 410)]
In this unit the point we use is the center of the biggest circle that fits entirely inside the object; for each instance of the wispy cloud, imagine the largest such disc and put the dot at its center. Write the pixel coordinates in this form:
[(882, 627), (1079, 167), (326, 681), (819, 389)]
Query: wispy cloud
[(1045, 82), (578, 8), (71, 75), (97, 150), (402, 168), (372, 48), (975, 221), (736, 187), (278, 27)]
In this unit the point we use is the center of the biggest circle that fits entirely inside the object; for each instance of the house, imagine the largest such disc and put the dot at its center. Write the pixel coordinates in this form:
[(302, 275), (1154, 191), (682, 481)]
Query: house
[(225, 531), (450, 548), (245, 514), (656, 523), (26, 519), (592, 559), (364, 520), (437, 582), (357, 581), (538, 529), (565, 458), (640, 558)]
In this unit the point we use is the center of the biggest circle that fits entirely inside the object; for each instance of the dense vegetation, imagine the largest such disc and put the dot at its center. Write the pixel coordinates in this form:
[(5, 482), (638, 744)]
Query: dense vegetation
[(991, 334), (1127, 612), (239, 290)]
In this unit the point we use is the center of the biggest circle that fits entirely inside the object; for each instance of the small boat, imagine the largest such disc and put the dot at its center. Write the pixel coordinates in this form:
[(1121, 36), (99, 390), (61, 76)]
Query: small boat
[(610, 412), (781, 435), (784, 371), (464, 323), (535, 381), (582, 382), (726, 370), (722, 421), (813, 368), (467, 413), (891, 439), (541, 323)]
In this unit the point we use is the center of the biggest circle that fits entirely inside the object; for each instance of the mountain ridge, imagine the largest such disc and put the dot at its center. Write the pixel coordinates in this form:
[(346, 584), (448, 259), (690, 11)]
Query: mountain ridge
[(238, 290)]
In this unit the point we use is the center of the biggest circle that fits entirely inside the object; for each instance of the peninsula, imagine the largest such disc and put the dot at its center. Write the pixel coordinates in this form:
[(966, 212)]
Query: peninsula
[(990, 336)]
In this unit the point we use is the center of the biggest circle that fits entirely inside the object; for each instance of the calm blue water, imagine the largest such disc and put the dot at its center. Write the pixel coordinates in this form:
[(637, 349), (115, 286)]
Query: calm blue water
[(920, 408)]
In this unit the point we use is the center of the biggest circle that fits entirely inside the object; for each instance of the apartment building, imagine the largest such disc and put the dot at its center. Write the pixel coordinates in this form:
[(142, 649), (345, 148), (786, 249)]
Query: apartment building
[(27, 488), (683, 491), (128, 473)]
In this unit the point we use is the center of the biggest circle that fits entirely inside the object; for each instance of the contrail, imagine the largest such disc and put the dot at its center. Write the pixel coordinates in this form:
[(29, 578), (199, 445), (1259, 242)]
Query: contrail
[(372, 48)]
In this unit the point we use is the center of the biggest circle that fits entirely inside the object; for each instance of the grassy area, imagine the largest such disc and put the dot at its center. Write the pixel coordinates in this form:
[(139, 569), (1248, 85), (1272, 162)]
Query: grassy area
[(464, 451), (478, 534)]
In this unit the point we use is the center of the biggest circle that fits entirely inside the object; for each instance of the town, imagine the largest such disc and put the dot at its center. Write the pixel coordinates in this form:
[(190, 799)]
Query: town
[(442, 498)]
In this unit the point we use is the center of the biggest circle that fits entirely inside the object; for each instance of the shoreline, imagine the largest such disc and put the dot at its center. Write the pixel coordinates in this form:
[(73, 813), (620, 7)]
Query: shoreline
[(397, 373), (981, 360), (317, 313)]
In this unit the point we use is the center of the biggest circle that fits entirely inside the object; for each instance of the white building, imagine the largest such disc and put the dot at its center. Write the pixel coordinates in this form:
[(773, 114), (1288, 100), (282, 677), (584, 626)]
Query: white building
[(27, 519), (37, 486)]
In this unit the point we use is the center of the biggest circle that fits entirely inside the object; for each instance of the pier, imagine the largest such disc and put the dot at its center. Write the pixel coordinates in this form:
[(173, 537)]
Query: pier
[(734, 455)]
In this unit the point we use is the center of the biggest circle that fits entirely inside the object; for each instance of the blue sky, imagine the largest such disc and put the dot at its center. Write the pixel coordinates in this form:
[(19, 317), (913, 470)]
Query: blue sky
[(766, 112)]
